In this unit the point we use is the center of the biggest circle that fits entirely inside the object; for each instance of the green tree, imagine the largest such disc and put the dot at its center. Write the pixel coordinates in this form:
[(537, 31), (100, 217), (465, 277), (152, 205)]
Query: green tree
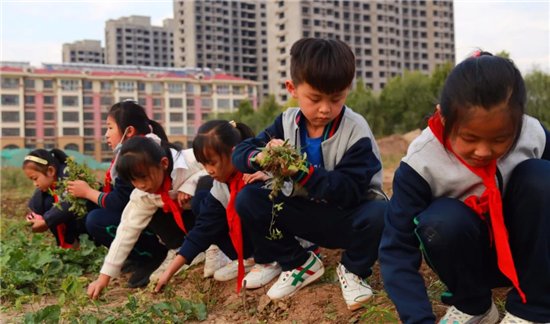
[(405, 102), (363, 101), (503, 53), (538, 95), (257, 120), (438, 77)]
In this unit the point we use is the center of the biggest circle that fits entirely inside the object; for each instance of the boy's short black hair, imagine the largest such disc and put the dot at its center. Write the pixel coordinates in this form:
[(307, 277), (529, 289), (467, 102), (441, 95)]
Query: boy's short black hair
[(327, 65)]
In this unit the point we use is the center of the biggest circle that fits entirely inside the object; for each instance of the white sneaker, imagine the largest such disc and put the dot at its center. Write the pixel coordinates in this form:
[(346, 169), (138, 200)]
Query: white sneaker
[(513, 319), (230, 270), (214, 260), (355, 290), (454, 316), (291, 281), (261, 274)]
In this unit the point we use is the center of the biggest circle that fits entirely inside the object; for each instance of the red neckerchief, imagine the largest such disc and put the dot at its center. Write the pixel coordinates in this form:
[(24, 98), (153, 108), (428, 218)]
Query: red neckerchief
[(236, 183), (61, 228), (107, 184), (489, 202), (169, 204)]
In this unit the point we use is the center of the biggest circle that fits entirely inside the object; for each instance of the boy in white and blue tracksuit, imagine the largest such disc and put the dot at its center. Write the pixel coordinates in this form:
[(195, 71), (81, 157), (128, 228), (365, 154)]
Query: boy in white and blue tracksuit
[(342, 203)]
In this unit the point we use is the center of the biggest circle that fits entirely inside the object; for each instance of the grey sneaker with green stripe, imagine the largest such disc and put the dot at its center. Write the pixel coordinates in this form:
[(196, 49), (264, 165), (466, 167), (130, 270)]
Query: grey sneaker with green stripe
[(291, 281)]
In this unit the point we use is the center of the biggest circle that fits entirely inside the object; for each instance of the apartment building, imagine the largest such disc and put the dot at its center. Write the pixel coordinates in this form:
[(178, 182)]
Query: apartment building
[(134, 41), (83, 51), (65, 105), (387, 37), (230, 35)]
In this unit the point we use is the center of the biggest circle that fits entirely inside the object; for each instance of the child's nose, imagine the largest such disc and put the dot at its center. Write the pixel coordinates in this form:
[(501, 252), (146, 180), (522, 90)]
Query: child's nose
[(483, 150)]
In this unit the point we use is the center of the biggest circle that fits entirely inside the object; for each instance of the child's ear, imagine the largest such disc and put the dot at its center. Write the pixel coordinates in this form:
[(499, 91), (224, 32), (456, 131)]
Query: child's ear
[(131, 132), (290, 88), (50, 172), (164, 162)]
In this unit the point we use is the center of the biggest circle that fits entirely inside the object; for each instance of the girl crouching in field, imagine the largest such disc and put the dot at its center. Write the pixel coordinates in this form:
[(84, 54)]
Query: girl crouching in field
[(45, 169), (218, 222), (160, 174)]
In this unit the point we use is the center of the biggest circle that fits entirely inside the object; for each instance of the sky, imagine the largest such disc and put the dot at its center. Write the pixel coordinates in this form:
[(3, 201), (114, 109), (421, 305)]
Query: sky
[(34, 30)]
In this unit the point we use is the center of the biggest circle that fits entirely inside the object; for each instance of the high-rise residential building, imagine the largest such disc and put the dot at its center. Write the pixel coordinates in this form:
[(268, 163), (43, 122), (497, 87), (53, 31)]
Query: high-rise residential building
[(230, 35), (387, 37), (83, 51), (134, 41), (65, 105)]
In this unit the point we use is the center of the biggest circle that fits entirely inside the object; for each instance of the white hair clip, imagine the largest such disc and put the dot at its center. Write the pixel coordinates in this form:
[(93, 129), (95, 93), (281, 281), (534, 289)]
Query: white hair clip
[(233, 123), (154, 137)]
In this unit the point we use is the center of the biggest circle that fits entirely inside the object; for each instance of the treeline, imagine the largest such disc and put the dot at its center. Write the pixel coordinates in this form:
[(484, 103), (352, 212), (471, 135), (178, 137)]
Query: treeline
[(403, 105)]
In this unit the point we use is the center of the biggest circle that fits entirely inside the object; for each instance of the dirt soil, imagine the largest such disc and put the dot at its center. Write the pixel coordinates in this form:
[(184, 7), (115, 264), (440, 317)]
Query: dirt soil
[(320, 302)]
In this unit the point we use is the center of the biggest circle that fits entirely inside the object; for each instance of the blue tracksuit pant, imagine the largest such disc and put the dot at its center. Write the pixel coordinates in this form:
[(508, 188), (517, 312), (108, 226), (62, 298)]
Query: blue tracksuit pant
[(356, 230), (456, 244)]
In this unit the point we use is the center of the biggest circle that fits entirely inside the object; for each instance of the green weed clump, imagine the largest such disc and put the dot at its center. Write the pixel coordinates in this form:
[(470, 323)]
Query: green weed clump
[(75, 171), (279, 161)]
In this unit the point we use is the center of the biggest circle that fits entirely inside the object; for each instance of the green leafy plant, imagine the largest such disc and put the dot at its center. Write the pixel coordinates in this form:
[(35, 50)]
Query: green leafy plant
[(34, 266), (280, 162), (74, 171)]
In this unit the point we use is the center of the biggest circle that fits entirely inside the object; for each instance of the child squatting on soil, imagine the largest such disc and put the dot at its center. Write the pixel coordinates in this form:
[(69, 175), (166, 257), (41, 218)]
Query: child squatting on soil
[(343, 205), (45, 168), (159, 174), (125, 120), (471, 196), (218, 222)]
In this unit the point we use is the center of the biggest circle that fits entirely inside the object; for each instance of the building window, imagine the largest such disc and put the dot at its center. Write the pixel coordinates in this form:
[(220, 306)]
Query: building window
[(190, 103), (189, 88), (141, 86), (70, 116), (106, 85), (206, 89), (10, 116), (87, 85), (69, 85), (223, 104), (71, 131), (29, 100), (49, 132), (88, 132), (48, 100), (157, 102), (157, 87), (176, 103), (49, 116), (30, 115), (87, 100), (29, 84), (106, 100), (89, 147), (10, 131), (47, 84), (88, 116), (126, 86), (222, 89), (176, 130), (176, 117), (10, 100), (69, 101), (206, 103), (10, 83), (29, 132), (175, 87)]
